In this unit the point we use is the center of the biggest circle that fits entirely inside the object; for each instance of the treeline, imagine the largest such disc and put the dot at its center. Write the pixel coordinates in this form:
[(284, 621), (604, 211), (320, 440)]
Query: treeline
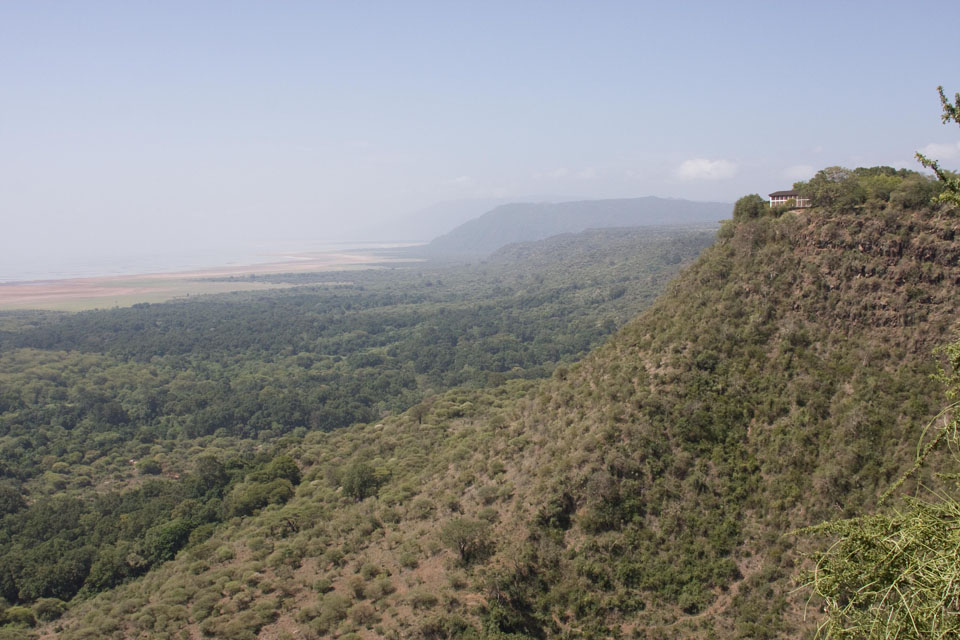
[(842, 189), (320, 358)]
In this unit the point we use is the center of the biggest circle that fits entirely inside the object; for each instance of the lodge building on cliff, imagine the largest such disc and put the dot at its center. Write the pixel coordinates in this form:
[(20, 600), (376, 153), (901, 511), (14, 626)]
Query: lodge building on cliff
[(778, 198)]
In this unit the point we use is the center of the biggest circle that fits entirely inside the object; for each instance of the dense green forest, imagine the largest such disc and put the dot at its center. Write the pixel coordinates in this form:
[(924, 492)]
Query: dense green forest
[(651, 490), (127, 435)]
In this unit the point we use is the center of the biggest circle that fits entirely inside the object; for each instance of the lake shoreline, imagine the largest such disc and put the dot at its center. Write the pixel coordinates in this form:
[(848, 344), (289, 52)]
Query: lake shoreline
[(90, 292)]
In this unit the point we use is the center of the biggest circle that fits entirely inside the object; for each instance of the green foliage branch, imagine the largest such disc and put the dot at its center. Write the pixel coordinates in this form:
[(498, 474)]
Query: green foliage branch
[(950, 179)]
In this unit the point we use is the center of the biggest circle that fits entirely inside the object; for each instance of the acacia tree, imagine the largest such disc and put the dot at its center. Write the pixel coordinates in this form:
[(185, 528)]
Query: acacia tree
[(469, 538), (951, 180), (359, 481)]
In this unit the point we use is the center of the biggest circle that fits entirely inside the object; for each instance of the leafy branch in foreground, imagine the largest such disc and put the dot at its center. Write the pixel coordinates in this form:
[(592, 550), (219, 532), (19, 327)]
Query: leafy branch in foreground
[(950, 179), (893, 576), (897, 574)]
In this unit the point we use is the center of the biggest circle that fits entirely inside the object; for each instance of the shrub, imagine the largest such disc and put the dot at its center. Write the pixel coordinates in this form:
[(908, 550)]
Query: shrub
[(19, 616), (469, 538), (379, 588), (281, 467), (49, 609), (488, 514), (332, 556), (457, 580), (363, 614), (422, 599), (149, 467), (421, 508), (488, 494), (284, 556), (233, 587), (751, 206), (306, 614), (203, 606), (357, 585), (390, 515), (359, 481), (223, 553), (441, 627), (408, 560), (333, 609), (369, 570), (250, 496)]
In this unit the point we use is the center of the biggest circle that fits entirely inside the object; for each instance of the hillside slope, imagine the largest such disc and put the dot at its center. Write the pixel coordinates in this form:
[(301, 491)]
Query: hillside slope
[(647, 492), (124, 432), (524, 222)]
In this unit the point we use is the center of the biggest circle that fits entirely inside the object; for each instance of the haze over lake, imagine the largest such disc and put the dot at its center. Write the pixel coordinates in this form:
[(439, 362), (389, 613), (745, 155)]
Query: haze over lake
[(170, 260)]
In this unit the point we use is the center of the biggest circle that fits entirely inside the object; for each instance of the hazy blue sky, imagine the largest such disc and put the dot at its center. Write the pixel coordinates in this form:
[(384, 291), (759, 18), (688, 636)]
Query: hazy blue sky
[(130, 123)]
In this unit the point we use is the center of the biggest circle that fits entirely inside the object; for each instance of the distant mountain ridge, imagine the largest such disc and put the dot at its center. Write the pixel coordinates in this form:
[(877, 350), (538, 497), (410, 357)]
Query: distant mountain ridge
[(425, 224), (526, 222)]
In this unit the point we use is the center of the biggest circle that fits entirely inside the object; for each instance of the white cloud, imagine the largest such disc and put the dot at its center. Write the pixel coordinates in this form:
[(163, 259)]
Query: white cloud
[(703, 169), (588, 173), (936, 151), (798, 172)]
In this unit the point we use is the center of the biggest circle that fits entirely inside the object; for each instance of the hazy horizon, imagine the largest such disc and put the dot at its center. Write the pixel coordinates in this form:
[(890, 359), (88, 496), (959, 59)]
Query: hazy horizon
[(130, 128), (197, 253), (172, 259)]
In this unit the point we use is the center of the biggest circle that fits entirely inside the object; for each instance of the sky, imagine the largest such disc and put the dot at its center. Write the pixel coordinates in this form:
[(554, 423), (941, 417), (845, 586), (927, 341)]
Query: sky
[(131, 126)]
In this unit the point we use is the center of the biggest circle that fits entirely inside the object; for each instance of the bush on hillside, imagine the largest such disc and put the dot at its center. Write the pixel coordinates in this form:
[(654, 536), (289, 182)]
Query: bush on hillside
[(751, 206)]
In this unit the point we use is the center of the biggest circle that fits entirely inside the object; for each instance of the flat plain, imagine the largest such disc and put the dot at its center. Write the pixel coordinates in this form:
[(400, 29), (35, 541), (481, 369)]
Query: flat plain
[(79, 294)]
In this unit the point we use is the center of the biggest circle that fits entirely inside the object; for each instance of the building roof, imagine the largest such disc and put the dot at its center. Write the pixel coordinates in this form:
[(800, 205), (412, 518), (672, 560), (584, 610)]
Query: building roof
[(790, 193)]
